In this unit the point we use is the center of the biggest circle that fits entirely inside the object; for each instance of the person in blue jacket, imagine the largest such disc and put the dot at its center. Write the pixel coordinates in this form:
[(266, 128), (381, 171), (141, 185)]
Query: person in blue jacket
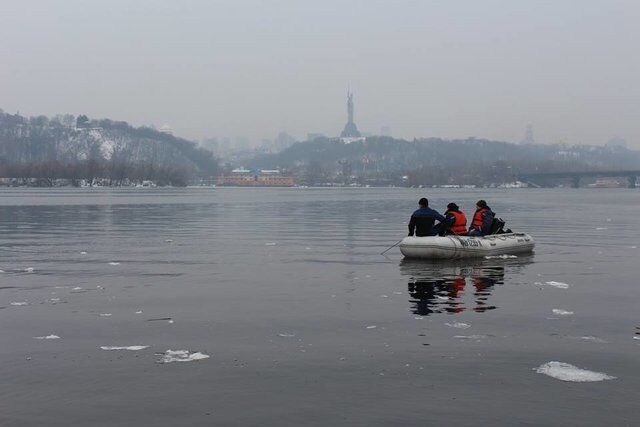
[(423, 219)]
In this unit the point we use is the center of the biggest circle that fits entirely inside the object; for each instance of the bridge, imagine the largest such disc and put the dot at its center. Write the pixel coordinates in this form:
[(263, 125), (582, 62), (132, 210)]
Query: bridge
[(631, 175)]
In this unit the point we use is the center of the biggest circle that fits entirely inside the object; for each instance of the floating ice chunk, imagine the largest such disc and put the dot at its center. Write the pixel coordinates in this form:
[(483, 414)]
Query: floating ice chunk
[(19, 303), (55, 300), (371, 327), (83, 253), (270, 244), (105, 314), (566, 372), (307, 249), (48, 337), (633, 247), (168, 240), (470, 337), (442, 298), (384, 296), (130, 347), (139, 312), (114, 263), (29, 270), (1, 271), (505, 256), (77, 288), (181, 356), (459, 325), (593, 339), (418, 317), (636, 337), (559, 285), (286, 335), (608, 219), (561, 312), (601, 228)]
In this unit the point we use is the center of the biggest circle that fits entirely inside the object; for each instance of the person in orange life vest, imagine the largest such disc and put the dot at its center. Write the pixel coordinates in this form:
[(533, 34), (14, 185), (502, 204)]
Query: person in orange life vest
[(482, 220), (456, 220)]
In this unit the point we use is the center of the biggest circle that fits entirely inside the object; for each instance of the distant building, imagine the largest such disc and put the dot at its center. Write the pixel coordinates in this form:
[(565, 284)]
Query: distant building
[(283, 141), (616, 142), (350, 130), (528, 135), (314, 135), (166, 129), (247, 178)]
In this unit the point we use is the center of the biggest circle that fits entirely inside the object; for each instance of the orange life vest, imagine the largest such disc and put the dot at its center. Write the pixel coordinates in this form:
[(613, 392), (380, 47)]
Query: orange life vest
[(460, 224), (477, 218)]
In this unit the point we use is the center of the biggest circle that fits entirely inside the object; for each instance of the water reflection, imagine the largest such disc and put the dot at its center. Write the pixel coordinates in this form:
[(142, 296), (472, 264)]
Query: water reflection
[(453, 287)]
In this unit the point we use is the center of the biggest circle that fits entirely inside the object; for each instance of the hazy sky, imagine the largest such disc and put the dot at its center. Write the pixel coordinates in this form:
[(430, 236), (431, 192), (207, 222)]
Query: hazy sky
[(485, 68)]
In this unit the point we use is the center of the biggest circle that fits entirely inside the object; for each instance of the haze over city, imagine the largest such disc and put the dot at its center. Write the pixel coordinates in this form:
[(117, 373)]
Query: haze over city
[(253, 68)]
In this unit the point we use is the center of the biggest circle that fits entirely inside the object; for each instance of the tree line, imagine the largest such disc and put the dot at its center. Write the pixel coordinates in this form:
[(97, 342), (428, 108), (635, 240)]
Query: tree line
[(79, 148)]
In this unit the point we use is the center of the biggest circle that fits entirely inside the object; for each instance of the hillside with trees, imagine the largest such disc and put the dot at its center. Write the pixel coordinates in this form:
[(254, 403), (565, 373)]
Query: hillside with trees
[(434, 161), (80, 149)]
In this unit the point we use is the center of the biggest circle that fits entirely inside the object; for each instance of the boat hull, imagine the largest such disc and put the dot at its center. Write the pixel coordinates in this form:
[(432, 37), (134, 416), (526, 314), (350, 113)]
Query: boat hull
[(457, 247)]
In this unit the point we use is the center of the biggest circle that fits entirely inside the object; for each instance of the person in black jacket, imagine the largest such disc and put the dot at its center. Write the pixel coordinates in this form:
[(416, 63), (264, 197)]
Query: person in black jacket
[(423, 219)]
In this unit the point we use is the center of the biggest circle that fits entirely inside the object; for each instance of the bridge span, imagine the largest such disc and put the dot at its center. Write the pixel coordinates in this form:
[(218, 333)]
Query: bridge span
[(575, 177)]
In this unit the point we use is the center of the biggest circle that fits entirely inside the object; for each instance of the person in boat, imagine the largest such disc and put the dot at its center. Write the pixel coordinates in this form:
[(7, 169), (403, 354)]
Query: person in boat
[(456, 220), (482, 220), (423, 219)]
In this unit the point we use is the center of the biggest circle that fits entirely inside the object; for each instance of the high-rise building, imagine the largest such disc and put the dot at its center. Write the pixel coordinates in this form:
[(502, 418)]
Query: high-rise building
[(528, 135)]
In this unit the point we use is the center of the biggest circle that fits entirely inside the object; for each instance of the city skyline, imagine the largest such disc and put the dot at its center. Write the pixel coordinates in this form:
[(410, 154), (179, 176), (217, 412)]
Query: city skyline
[(253, 69)]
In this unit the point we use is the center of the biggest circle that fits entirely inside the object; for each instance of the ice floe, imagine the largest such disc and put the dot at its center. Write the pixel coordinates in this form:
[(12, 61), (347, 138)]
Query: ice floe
[(286, 335), (559, 285), (18, 303), (566, 372), (48, 337), (470, 337), (601, 228), (77, 288), (459, 325), (170, 356), (105, 314), (129, 347), (505, 256), (139, 312), (29, 270), (593, 339), (561, 312), (83, 253), (270, 244), (114, 263), (371, 327)]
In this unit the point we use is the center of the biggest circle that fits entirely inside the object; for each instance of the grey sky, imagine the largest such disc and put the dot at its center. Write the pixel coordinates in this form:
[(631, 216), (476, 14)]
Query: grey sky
[(485, 68)]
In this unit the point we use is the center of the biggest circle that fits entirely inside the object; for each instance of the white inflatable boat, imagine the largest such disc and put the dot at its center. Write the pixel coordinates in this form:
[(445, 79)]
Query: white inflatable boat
[(455, 247)]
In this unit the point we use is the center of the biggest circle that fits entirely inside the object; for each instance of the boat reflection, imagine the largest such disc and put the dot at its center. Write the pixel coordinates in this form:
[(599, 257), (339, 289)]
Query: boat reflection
[(453, 287)]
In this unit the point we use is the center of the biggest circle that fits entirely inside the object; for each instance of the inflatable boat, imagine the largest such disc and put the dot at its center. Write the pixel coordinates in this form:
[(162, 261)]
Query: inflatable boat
[(456, 247)]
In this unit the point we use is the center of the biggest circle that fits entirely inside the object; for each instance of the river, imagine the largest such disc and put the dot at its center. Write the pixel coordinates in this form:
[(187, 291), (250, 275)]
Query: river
[(302, 320)]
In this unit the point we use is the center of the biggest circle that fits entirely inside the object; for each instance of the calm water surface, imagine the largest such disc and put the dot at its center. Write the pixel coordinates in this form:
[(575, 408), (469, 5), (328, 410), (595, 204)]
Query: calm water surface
[(304, 321)]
